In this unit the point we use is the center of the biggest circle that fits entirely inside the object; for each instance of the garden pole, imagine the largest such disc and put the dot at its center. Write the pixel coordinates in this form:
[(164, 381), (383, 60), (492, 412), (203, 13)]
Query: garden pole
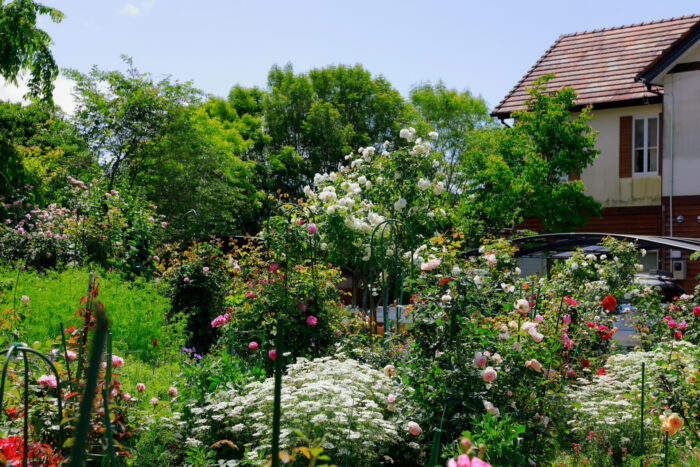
[(277, 411), (108, 427), (435, 449), (25, 456), (666, 449), (65, 353), (641, 416)]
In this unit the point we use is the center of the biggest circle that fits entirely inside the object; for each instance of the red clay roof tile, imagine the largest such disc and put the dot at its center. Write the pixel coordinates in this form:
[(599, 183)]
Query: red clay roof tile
[(601, 64)]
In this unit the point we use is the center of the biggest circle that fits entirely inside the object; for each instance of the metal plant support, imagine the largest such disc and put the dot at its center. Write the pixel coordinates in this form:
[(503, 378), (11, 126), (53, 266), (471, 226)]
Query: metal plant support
[(289, 213), (386, 238), (14, 350)]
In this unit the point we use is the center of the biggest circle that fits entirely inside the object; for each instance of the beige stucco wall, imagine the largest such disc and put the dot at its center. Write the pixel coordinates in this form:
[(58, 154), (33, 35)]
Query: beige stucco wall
[(602, 178), (682, 97)]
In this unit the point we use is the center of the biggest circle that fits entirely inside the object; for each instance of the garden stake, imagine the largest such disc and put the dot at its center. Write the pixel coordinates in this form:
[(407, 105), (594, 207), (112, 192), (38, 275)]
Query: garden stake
[(25, 457), (435, 449), (65, 353), (277, 411), (666, 449), (572, 359), (641, 416), (80, 357), (86, 404), (108, 370), (108, 427)]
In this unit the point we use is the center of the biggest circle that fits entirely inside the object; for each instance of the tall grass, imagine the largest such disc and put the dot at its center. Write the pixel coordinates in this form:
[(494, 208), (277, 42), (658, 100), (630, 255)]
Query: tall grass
[(136, 309)]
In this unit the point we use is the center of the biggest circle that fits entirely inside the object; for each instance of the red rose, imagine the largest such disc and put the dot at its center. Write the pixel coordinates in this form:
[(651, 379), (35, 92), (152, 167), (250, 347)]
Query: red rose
[(585, 363), (590, 324), (444, 280), (609, 303), (677, 335), (601, 371)]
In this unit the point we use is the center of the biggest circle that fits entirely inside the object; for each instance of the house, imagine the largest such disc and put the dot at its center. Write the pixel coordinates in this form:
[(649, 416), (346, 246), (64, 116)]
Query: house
[(643, 82)]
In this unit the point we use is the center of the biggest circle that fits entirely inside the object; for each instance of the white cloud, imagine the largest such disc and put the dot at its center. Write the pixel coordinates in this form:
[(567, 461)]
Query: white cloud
[(131, 10), (62, 93)]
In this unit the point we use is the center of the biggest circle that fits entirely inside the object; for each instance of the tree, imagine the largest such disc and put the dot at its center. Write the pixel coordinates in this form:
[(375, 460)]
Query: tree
[(158, 139), (524, 171), (39, 148), (327, 113), (23, 45), (455, 116)]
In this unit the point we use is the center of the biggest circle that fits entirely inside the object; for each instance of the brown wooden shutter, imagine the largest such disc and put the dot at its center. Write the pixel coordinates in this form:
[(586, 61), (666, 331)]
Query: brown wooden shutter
[(661, 141), (625, 147)]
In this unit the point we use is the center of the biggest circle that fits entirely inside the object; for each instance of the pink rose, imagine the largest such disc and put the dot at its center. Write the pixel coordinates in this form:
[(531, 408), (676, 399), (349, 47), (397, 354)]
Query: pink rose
[(153, 401), (311, 229), (391, 398), (186, 280), (172, 391), (414, 428), (47, 380), (311, 320), (682, 325), (253, 345), (126, 396), (71, 355), (489, 374), (534, 364), (205, 269), (117, 361), (164, 224), (140, 387), (479, 360), (272, 354), (273, 267)]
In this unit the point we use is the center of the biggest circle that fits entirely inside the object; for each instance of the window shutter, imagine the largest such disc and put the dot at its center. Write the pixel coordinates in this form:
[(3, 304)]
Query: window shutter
[(625, 147), (661, 141)]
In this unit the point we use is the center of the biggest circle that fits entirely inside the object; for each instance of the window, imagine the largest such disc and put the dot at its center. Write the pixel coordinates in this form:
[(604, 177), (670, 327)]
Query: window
[(646, 145)]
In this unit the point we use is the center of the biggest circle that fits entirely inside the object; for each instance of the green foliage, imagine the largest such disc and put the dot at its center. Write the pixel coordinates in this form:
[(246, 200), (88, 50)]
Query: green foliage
[(136, 309), (520, 172), (38, 147), (197, 280), (155, 137), (455, 116), (23, 45), (327, 113)]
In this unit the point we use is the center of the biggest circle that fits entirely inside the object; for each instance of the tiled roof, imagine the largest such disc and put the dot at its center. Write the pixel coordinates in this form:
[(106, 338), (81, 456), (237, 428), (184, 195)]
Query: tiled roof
[(601, 64)]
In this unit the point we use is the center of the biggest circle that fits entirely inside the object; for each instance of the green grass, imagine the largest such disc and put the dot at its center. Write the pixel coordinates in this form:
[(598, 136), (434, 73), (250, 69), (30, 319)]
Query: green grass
[(135, 309)]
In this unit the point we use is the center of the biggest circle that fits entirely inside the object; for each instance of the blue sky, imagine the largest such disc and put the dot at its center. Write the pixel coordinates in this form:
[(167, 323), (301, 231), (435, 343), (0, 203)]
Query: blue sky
[(483, 46)]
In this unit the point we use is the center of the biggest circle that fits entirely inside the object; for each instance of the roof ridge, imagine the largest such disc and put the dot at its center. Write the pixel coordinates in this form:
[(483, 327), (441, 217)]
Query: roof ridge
[(645, 23), (532, 68)]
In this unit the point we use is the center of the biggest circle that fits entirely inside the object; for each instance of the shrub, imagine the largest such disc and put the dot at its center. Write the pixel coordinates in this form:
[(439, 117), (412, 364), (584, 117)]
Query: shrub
[(340, 400)]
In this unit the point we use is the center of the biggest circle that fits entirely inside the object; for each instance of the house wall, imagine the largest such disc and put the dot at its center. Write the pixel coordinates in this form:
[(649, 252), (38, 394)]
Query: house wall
[(602, 178), (685, 105)]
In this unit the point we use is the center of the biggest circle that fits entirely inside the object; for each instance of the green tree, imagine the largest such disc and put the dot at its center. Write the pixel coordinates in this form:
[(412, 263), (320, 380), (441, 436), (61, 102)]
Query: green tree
[(327, 113), (157, 138), (455, 116), (523, 171), (39, 147), (24, 46)]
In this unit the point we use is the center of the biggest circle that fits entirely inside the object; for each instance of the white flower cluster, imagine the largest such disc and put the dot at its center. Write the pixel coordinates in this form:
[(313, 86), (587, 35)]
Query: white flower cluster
[(613, 398), (356, 409)]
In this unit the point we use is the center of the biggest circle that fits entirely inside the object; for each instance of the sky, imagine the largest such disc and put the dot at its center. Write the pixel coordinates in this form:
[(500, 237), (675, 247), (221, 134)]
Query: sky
[(482, 46)]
